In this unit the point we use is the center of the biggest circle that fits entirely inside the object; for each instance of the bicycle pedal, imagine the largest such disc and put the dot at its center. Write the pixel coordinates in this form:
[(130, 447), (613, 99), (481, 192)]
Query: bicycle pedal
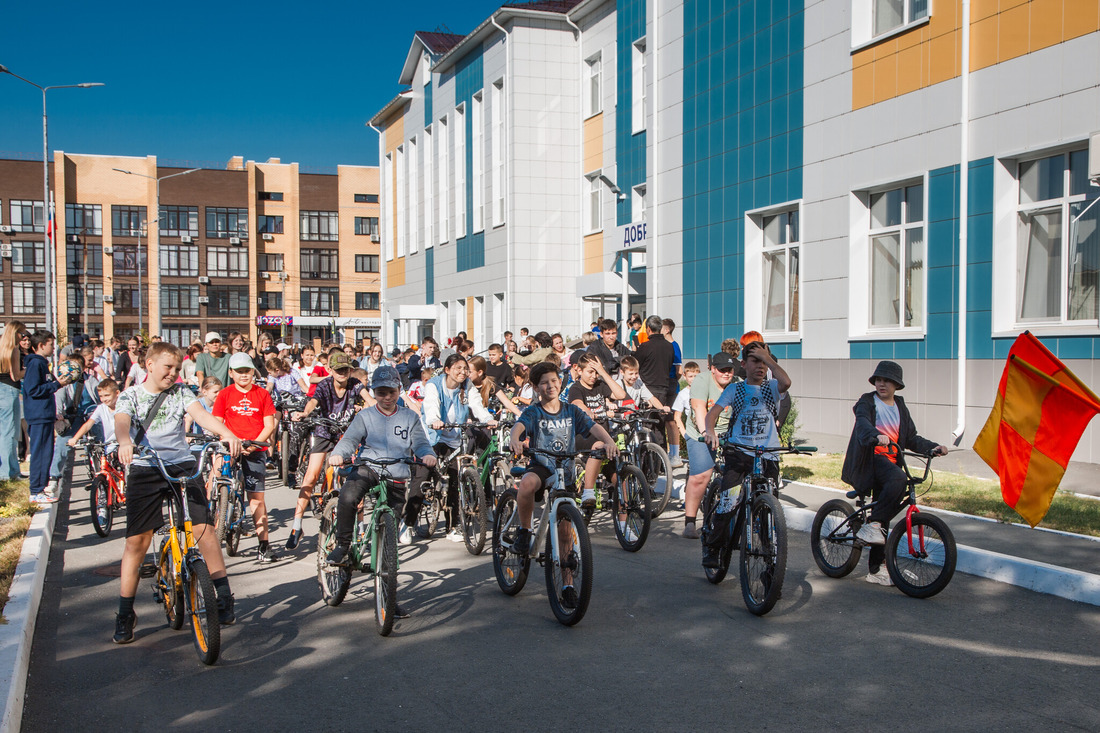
[(148, 570)]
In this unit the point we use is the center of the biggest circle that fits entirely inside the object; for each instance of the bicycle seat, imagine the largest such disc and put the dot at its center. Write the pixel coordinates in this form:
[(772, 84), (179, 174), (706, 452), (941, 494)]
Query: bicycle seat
[(518, 471), (852, 494)]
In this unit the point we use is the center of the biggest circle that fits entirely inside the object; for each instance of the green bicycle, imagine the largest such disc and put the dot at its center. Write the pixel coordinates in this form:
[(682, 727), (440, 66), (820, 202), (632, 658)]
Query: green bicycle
[(373, 547)]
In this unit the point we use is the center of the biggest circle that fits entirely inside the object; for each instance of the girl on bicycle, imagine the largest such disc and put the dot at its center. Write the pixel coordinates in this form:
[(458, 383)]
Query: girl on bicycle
[(489, 389), (872, 467), (450, 398)]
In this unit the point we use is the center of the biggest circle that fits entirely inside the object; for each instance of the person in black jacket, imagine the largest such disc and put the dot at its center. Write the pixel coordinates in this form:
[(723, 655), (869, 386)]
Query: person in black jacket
[(609, 349), (872, 468)]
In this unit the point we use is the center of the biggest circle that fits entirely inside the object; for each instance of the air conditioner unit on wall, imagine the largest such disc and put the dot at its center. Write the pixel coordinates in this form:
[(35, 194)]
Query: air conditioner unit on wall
[(269, 237), (204, 281), (108, 250), (185, 238), (5, 249), (5, 228), (203, 300), (108, 299), (234, 240), (374, 238)]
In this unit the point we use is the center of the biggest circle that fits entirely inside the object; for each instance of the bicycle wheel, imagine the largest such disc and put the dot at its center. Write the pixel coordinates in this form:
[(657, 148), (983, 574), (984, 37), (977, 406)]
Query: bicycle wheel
[(833, 539), (202, 601), (575, 559), (500, 479), (718, 574), (385, 575), (238, 513), (284, 455), (921, 574), (657, 469), (427, 518), (102, 510), (764, 555), (334, 580), (168, 586), (632, 499), (221, 508), (511, 569), (472, 511)]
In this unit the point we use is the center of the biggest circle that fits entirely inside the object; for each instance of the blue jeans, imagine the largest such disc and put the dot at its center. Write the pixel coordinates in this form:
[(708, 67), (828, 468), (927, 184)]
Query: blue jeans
[(11, 415)]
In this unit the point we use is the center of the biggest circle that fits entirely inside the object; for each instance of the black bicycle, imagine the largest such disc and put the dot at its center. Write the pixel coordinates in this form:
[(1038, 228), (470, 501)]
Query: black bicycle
[(920, 567)]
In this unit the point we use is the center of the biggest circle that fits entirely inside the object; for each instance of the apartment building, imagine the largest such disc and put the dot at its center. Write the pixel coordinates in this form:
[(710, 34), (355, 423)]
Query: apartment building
[(251, 247), (857, 179)]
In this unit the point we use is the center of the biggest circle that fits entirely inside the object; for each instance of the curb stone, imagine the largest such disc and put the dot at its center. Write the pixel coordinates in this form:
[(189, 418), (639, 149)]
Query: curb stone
[(21, 612)]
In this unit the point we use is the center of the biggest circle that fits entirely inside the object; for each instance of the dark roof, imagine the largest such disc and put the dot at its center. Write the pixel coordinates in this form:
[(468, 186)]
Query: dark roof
[(548, 6), (439, 43)]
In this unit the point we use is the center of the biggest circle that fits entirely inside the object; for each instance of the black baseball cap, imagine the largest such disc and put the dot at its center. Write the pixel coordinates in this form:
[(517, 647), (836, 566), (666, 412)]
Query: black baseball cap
[(722, 360)]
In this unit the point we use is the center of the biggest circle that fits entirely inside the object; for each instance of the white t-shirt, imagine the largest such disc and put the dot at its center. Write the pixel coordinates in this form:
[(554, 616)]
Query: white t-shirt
[(682, 403), (166, 434), (637, 395), (137, 374), (105, 416)]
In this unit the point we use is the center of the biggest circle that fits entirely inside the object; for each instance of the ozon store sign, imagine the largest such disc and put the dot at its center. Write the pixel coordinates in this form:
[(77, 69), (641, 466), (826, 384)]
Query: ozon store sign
[(632, 237)]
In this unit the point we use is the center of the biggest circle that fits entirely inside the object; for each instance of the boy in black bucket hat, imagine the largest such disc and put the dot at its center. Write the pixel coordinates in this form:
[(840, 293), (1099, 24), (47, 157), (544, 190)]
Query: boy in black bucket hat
[(869, 466)]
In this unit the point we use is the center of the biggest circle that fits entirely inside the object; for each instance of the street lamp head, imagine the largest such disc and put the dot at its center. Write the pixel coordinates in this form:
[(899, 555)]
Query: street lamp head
[(4, 69), (87, 84), (120, 170)]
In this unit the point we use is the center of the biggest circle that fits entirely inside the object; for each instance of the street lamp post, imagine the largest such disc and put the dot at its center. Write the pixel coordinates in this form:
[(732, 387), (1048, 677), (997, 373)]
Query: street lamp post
[(283, 277), (156, 323), (51, 254)]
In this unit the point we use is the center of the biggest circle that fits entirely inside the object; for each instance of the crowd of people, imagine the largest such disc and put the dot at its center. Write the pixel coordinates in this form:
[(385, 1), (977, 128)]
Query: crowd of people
[(150, 397)]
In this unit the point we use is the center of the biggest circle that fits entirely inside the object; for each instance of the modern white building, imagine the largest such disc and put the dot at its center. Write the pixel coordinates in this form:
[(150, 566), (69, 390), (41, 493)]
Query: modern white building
[(791, 167)]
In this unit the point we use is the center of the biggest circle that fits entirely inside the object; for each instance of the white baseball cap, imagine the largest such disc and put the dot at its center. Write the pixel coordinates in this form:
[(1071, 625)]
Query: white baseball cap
[(241, 360), (213, 336), (282, 346)]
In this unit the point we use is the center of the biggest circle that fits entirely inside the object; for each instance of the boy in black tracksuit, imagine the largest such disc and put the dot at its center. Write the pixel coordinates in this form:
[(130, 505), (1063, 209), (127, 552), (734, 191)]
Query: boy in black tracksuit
[(869, 466), (39, 386)]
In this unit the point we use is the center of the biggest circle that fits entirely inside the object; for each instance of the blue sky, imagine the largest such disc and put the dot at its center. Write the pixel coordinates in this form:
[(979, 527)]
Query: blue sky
[(203, 81)]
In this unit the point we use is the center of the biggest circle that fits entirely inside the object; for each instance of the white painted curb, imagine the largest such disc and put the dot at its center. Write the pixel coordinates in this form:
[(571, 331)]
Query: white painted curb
[(1033, 575), (21, 613)]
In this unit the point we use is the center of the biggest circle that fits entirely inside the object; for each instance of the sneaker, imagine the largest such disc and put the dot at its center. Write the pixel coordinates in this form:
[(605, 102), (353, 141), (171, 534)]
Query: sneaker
[(628, 532), (124, 628), (338, 556), (400, 612), (294, 538), (588, 499), (226, 615), (690, 532), (882, 577), (455, 536), (43, 498), (872, 533), (52, 488), (710, 557), (266, 554), (522, 544), (569, 598), (675, 461), (291, 481), (404, 536)]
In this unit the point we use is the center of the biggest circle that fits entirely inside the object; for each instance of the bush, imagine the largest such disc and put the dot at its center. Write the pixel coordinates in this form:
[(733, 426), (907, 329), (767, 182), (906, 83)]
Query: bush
[(790, 425)]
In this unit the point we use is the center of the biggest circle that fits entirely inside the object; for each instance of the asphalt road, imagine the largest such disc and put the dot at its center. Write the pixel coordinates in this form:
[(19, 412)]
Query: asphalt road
[(660, 649)]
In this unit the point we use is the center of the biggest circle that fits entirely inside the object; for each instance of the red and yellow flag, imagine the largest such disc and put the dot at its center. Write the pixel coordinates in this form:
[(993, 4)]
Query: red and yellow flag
[(1041, 410)]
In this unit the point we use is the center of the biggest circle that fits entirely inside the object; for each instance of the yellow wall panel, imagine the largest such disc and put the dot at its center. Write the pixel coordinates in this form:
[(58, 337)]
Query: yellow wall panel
[(978, 9), (983, 43), (863, 86), (593, 253), (593, 143), (944, 64), (395, 273), (395, 134), (1081, 17), (1012, 41), (886, 78), (469, 315), (1046, 24), (909, 70)]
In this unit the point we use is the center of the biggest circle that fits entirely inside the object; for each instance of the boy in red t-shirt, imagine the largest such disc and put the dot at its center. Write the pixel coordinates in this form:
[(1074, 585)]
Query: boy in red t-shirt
[(247, 410)]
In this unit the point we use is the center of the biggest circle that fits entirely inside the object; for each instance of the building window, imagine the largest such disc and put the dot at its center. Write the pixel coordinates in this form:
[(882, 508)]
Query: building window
[(366, 198), (128, 221), (179, 260), (366, 301), (318, 301), (429, 188), (364, 334), (94, 295), (638, 86), (478, 158), (179, 300), (270, 301), (126, 300), (897, 257), (637, 203), (83, 259), (84, 219), (320, 264), (890, 14), (227, 301), (266, 224), (593, 97), (497, 152), (270, 196), (181, 333), (366, 263), (269, 262), (28, 298), (1058, 246), (226, 262), (179, 221), (27, 216), (460, 172), (366, 225), (593, 214), (319, 226), (781, 271), (28, 257), (125, 260), (412, 167), (222, 223), (443, 180)]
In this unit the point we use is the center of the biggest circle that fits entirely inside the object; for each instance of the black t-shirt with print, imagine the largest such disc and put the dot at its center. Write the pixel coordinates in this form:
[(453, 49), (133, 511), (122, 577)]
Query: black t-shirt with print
[(594, 399)]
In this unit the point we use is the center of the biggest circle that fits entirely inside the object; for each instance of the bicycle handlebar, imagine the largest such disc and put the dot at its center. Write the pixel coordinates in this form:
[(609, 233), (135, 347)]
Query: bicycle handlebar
[(773, 449)]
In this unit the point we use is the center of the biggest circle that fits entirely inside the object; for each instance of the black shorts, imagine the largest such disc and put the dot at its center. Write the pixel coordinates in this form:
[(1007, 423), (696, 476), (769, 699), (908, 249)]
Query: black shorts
[(145, 492), (546, 476), (254, 469), (321, 445)]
